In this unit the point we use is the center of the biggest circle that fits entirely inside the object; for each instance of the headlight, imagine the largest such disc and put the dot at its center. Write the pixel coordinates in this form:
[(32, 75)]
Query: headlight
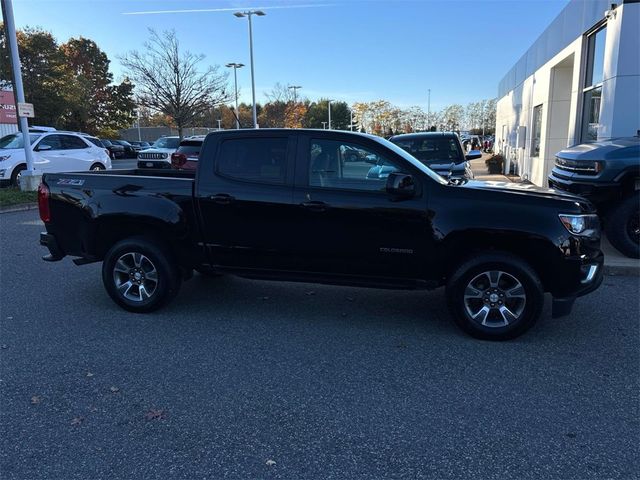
[(583, 225), (165, 155)]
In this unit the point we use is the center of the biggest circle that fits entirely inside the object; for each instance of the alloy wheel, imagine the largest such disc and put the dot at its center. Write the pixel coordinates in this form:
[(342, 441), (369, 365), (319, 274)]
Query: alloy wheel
[(135, 277), (495, 299)]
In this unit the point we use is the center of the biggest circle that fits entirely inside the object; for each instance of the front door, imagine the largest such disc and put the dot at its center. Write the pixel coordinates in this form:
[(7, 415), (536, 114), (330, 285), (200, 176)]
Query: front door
[(346, 223), (245, 198)]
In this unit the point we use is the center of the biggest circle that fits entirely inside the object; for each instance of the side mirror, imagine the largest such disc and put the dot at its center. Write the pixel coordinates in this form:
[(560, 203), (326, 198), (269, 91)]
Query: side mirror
[(373, 159), (473, 154), (400, 185), (43, 148)]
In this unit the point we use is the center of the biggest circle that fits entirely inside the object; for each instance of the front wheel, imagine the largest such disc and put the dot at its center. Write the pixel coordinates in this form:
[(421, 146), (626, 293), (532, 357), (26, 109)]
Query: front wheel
[(17, 173), (140, 275), (96, 167), (623, 226), (495, 296)]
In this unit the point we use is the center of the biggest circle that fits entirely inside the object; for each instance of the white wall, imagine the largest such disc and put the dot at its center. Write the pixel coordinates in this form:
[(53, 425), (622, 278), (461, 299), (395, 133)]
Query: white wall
[(557, 86)]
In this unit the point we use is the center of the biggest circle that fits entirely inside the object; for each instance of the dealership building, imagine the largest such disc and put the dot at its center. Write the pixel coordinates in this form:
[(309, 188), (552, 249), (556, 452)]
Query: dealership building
[(579, 82)]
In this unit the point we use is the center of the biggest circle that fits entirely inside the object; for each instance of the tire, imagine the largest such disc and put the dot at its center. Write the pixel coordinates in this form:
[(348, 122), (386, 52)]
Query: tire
[(495, 296), (141, 256), (623, 226), (97, 167), (15, 175)]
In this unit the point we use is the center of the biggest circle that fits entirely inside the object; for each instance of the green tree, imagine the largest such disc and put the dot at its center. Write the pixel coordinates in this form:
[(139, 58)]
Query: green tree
[(94, 104), (44, 74), (318, 112)]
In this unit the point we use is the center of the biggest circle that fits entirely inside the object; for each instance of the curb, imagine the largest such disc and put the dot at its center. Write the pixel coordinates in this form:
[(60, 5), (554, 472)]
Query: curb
[(19, 208)]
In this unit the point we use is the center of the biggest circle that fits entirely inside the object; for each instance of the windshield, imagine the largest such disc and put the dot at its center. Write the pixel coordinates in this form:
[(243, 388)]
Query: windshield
[(412, 160), (167, 142), (15, 140), (430, 150)]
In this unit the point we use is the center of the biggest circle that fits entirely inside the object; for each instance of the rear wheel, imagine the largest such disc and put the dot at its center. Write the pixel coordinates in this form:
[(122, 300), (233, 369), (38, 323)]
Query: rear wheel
[(139, 275), (17, 173), (97, 167), (495, 296), (623, 226)]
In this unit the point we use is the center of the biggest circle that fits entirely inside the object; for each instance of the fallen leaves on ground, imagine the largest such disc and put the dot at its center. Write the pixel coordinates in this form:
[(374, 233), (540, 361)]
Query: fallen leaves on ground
[(155, 414), (36, 399), (77, 420), (114, 389), (270, 463)]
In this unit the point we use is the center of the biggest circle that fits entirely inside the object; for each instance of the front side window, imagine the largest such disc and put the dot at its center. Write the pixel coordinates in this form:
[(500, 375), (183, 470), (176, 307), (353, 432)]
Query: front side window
[(262, 160), (342, 165), (53, 141), (592, 92), (537, 128)]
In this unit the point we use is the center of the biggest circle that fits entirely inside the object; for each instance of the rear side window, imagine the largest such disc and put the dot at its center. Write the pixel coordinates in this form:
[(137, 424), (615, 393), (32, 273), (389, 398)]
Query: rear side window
[(261, 160), (95, 141), (70, 142)]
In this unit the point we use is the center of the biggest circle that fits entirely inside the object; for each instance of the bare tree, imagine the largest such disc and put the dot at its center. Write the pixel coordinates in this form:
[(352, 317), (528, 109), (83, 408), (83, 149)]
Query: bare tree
[(168, 80)]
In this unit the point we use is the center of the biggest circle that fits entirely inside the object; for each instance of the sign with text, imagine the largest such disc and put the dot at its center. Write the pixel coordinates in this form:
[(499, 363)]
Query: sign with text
[(7, 107), (25, 110)]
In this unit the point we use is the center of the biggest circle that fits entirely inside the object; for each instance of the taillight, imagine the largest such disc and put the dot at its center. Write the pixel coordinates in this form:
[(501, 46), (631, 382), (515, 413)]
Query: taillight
[(43, 203), (178, 159)]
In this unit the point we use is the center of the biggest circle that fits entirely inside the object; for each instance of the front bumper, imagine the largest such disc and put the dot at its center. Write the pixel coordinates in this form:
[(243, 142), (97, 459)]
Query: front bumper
[(142, 163), (589, 187), (590, 273)]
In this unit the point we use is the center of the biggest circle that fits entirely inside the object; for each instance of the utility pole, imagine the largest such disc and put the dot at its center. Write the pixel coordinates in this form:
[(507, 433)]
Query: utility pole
[(329, 108), (30, 179), (295, 89), (138, 118), (219, 122)]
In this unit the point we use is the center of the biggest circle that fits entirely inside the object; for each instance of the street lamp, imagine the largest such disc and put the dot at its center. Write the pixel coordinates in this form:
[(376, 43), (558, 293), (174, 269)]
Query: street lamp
[(235, 67), (329, 109), (249, 14), (295, 89)]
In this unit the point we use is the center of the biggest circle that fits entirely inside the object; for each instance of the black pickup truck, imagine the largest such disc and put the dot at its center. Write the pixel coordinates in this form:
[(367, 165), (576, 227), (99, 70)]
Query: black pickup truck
[(285, 205)]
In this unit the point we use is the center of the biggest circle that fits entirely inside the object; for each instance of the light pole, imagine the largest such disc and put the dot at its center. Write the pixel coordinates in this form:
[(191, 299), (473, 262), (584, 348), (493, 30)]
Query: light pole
[(324, 125), (249, 14), (429, 110), (235, 67), (29, 180), (295, 89), (329, 109), (138, 115)]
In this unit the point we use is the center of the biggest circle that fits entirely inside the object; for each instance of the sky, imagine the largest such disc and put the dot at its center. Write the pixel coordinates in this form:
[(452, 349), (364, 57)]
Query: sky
[(350, 50)]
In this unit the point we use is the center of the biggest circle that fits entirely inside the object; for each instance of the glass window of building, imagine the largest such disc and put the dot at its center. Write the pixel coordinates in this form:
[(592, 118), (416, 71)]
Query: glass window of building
[(537, 128), (593, 85)]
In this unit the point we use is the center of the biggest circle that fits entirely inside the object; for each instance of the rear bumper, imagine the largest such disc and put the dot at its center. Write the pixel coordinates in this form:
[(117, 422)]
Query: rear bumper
[(55, 252)]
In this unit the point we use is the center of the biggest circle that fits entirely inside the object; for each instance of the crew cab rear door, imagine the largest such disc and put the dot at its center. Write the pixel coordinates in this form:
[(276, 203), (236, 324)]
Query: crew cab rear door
[(245, 192)]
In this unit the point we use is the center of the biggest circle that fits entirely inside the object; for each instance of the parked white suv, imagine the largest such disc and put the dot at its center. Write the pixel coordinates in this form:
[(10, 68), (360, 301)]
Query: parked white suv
[(159, 154), (55, 151)]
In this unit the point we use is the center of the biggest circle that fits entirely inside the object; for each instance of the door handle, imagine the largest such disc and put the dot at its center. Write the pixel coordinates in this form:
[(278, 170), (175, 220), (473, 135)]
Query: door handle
[(315, 206), (222, 198)]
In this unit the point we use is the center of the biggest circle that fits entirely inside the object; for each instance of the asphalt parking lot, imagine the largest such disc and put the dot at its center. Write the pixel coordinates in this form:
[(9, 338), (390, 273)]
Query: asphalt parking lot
[(249, 379)]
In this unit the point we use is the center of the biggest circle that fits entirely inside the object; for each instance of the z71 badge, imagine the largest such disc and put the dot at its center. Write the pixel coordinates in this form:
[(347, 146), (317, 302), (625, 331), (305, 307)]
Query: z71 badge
[(71, 181)]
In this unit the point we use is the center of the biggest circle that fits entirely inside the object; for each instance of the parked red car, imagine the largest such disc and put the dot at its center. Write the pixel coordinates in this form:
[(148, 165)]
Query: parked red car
[(186, 157)]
